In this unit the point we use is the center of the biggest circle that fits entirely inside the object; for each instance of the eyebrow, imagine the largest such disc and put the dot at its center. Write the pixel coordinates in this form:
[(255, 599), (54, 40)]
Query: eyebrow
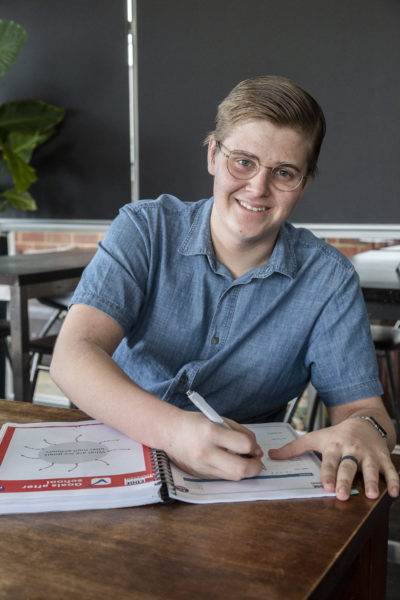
[(279, 164)]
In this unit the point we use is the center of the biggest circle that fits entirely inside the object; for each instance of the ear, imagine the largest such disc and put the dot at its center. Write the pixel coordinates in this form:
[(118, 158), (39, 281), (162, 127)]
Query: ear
[(212, 147)]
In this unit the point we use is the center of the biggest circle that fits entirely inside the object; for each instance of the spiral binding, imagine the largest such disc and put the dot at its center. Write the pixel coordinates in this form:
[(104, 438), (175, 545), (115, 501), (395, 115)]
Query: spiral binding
[(160, 464)]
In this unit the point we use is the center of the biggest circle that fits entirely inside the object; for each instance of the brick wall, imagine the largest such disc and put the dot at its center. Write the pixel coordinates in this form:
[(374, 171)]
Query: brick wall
[(349, 247), (28, 241), (48, 240)]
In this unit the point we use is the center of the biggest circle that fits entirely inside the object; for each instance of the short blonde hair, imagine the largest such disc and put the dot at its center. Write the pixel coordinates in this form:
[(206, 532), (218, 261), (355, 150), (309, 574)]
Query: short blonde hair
[(278, 100)]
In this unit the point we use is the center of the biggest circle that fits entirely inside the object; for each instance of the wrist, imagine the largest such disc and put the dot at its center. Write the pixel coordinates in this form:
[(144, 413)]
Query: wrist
[(375, 424), (169, 424)]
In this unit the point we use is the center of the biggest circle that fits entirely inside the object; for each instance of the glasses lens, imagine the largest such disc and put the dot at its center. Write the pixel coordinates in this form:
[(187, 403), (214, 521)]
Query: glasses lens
[(285, 178), (282, 177), (241, 166)]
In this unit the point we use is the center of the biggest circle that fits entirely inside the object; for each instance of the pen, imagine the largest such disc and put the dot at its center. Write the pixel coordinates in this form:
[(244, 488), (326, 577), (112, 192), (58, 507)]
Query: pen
[(209, 412), (206, 409)]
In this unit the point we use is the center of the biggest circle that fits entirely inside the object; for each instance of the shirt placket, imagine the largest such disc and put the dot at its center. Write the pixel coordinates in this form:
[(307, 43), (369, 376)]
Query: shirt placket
[(220, 326), (216, 339)]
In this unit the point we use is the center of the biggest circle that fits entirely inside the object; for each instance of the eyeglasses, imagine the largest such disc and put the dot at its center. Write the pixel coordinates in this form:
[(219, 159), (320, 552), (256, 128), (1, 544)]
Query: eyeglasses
[(241, 165)]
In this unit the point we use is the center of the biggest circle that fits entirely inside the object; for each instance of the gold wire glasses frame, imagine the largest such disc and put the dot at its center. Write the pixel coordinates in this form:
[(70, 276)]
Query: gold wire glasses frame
[(241, 165)]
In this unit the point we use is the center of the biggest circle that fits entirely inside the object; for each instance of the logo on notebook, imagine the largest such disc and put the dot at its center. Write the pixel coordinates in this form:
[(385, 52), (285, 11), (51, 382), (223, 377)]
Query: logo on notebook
[(101, 481), (138, 480)]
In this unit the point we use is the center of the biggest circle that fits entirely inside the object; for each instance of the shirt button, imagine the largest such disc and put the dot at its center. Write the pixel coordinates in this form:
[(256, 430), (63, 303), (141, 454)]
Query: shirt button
[(215, 340), (183, 378)]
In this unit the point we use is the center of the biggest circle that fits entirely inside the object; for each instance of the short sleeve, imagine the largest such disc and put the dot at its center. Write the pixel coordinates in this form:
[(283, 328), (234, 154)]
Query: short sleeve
[(115, 280), (341, 353)]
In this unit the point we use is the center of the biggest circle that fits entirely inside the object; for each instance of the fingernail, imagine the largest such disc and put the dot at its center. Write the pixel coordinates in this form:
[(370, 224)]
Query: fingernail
[(372, 492)]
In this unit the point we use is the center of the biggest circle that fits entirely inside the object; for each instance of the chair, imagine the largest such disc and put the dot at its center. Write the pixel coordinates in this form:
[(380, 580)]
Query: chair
[(4, 333), (387, 340), (4, 353), (43, 345), (315, 418), (39, 348)]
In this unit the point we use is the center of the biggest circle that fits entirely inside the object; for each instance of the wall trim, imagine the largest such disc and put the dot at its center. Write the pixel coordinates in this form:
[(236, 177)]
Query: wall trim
[(76, 225), (365, 233), (368, 233)]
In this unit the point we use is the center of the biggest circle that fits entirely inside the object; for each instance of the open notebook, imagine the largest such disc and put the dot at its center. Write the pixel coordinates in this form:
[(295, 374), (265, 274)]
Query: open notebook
[(88, 465)]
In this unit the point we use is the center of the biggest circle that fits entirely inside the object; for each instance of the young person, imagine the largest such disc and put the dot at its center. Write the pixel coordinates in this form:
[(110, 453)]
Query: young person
[(225, 297)]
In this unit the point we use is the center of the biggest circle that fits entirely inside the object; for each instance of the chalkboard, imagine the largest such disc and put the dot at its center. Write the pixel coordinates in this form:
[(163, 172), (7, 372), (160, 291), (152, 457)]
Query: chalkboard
[(346, 54), (76, 57)]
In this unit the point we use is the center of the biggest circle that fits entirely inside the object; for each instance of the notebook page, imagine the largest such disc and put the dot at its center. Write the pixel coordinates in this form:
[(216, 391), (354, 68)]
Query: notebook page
[(295, 478)]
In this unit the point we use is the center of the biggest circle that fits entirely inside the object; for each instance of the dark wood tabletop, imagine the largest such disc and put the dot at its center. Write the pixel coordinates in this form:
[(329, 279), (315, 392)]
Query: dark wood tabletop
[(43, 266), (314, 548)]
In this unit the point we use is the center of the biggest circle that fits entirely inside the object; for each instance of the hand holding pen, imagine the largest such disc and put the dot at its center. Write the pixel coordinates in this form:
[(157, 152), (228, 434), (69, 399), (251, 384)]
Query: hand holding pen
[(209, 412)]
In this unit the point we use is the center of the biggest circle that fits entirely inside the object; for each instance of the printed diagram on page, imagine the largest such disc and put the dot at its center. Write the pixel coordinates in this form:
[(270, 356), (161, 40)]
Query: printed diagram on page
[(77, 449), (75, 452)]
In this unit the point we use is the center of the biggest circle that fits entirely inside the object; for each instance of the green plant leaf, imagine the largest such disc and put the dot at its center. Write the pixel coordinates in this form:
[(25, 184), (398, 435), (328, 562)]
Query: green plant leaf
[(12, 39), (29, 115), (24, 125), (22, 201), (23, 144), (23, 174)]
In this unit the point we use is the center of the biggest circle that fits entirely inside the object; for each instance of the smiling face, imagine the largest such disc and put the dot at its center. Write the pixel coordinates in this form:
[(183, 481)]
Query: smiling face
[(247, 214)]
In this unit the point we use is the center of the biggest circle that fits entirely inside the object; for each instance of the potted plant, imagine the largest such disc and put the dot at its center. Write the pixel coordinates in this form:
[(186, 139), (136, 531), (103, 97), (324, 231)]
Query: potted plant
[(24, 125)]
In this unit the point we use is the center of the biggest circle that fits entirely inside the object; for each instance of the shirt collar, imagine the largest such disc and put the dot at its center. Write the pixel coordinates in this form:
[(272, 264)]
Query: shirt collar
[(198, 238), (198, 241), (283, 259)]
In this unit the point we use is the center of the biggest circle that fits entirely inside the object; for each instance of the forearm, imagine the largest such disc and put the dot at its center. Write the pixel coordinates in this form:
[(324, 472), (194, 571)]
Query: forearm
[(96, 384)]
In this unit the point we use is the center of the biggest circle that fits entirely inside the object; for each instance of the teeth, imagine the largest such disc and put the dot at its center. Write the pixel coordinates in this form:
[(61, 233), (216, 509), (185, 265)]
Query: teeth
[(262, 209)]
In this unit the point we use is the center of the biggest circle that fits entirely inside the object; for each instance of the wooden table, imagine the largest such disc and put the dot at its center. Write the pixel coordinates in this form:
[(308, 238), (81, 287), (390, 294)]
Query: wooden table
[(33, 276), (287, 550), (379, 272)]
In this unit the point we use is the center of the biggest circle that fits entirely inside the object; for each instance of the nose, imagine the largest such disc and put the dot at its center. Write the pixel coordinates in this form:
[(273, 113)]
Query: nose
[(260, 184)]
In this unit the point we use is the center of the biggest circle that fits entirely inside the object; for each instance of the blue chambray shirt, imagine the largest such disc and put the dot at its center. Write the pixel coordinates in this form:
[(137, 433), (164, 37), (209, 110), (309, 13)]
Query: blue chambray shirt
[(247, 345)]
